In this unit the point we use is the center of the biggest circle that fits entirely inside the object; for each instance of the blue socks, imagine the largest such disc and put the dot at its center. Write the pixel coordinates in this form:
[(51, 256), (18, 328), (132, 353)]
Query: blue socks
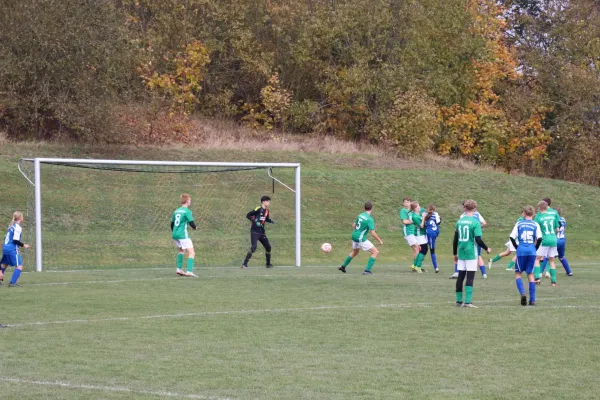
[(532, 292), (15, 276), (482, 268), (565, 265), (544, 264), (521, 287), (434, 260), (456, 268)]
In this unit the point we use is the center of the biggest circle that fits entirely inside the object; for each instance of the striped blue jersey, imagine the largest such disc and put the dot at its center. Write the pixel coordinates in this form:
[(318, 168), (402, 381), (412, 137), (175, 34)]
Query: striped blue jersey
[(560, 235), (526, 233), (433, 224), (14, 232), (477, 216)]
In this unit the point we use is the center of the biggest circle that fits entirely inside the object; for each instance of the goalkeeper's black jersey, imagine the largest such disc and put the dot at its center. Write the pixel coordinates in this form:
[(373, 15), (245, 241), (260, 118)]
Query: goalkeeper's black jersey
[(259, 216)]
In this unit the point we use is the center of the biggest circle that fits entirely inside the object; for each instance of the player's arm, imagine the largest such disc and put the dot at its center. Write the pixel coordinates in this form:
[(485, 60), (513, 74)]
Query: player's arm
[(482, 221), (353, 225), (538, 235), (455, 245), (480, 243), (190, 218), (514, 235), (17, 238), (374, 234), (423, 217), (252, 214)]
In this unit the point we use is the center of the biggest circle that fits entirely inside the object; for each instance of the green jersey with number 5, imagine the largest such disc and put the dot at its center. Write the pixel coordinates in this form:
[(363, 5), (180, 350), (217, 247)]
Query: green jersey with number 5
[(364, 223), (181, 218), (467, 228), (549, 222)]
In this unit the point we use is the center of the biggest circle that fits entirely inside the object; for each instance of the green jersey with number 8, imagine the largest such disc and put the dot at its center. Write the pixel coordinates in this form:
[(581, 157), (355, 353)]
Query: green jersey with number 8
[(181, 218), (467, 228), (364, 223)]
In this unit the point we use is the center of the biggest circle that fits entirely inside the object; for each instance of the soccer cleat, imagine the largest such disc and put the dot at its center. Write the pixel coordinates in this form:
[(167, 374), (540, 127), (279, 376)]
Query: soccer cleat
[(532, 303), (538, 281), (3, 326), (419, 270), (269, 265), (553, 284), (571, 274), (190, 275), (437, 270), (180, 272), (367, 273), (509, 269), (469, 305), (490, 263), (14, 285), (459, 304), (413, 268), (422, 269), (244, 266), (523, 300), (547, 274), (484, 276), (342, 268), (454, 275)]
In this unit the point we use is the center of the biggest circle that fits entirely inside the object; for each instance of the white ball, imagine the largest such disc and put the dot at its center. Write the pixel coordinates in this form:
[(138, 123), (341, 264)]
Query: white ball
[(326, 247)]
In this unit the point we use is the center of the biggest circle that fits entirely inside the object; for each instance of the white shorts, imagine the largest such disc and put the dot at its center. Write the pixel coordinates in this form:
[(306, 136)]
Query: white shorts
[(422, 239), (184, 243), (467, 265), (549, 252), (411, 240), (366, 245), (510, 246)]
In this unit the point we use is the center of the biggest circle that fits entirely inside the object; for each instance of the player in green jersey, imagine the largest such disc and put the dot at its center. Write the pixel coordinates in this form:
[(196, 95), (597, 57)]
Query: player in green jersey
[(362, 226), (550, 223), (179, 223), (408, 230), (417, 216), (467, 236)]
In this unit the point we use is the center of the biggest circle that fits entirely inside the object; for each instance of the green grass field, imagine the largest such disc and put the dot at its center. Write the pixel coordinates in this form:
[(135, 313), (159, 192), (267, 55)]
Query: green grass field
[(110, 319)]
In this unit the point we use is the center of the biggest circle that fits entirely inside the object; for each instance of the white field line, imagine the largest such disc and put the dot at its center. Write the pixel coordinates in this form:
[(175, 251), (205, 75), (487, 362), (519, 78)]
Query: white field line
[(138, 269), (110, 389), (260, 311)]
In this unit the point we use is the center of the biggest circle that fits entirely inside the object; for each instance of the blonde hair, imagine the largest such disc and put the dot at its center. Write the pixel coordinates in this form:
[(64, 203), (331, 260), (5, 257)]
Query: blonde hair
[(17, 216), (529, 211), (414, 205), (185, 197), (470, 205), (542, 205)]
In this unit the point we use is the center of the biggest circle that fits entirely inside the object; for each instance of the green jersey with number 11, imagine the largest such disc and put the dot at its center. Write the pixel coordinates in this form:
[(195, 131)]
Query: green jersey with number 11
[(364, 223), (549, 222), (467, 228), (181, 218)]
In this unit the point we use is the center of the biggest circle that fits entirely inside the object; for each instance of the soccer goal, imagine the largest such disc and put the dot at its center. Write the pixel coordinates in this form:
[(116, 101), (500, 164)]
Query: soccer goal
[(102, 214)]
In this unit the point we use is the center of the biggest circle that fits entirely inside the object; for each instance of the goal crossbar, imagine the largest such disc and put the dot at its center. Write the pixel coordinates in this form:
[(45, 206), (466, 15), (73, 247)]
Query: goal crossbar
[(74, 161)]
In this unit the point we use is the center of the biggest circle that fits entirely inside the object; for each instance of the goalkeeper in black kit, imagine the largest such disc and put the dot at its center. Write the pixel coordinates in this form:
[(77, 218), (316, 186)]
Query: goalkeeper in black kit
[(258, 217)]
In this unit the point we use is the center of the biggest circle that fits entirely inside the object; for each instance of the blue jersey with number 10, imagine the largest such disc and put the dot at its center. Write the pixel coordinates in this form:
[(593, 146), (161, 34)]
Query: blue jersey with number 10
[(526, 233)]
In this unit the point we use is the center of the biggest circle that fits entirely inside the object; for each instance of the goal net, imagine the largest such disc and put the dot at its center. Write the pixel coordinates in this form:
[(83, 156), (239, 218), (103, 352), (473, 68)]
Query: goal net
[(101, 214)]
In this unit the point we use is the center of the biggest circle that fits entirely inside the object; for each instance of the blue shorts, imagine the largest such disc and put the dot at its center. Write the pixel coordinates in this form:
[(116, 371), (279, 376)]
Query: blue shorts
[(525, 264), (560, 247), (13, 260), (431, 241), (478, 251)]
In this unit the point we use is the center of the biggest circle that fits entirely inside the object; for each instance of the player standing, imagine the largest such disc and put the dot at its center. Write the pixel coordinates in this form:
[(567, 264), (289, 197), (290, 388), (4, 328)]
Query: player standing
[(529, 236), (467, 236), (408, 231), (259, 216), (363, 224), (11, 256), (561, 244), (179, 223), (549, 223), (483, 223), (417, 216), (432, 224)]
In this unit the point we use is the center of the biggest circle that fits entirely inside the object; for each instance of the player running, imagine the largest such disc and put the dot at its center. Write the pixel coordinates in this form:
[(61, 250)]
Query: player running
[(526, 237), (11, 256), (467, 236), (182, 217), (432, 224), (361, 227), (259, 216), (509, 250)]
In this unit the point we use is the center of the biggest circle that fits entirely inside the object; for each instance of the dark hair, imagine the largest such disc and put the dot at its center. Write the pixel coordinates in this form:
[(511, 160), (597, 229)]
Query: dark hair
[(368, 206), (265, 198), (548, 200), (430, 213)]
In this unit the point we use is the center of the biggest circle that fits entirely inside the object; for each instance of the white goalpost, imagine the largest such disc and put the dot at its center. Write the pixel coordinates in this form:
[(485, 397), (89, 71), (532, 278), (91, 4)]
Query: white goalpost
[(112, 213)]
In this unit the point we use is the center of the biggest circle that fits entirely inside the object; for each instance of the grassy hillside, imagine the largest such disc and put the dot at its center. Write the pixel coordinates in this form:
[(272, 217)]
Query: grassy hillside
[(108, 219)]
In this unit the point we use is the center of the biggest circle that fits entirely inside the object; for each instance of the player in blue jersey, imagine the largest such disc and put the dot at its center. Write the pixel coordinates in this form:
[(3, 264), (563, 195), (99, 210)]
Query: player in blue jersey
[(483, 224), (529, 236), (561, 244), (11, 256), (432, 225)]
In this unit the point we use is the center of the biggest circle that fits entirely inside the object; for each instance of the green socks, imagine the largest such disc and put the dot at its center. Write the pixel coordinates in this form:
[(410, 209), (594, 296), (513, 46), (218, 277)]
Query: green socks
[(190, 265), (347, 261), (511, 264), (469, 296), (419, 260), (179, 261), (537, 272), (459, 297), (553, 275), (370, 264), (496, 258)]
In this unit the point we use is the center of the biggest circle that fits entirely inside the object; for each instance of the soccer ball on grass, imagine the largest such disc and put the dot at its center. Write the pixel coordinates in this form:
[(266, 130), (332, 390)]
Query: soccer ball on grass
[(326, 247)]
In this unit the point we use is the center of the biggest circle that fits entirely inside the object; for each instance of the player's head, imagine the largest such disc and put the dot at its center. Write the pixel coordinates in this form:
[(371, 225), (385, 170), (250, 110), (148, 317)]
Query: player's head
[(17, 217), (431, 208), (414, 206), (547, 200), (265, 201), (558, 211), (528, 211), (407, 201), (542, 206), (470, 205), (368, 206), (186, 199)]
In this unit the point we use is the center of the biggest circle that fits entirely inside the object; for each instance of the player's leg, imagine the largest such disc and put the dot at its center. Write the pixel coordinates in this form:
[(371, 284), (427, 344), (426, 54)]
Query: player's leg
[(17, 262), (191, 254), (543, 265), (529, 263), (552, 253), (368, 246), (462, 273), (471, 267), (348, 260), (431, 240), (519, 268), (561, 256), (499, 256), (481, 263), (180, 254), (2, 269), (421, 257), (537, 271), (265, 242), (253, 245), (512, 263)]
